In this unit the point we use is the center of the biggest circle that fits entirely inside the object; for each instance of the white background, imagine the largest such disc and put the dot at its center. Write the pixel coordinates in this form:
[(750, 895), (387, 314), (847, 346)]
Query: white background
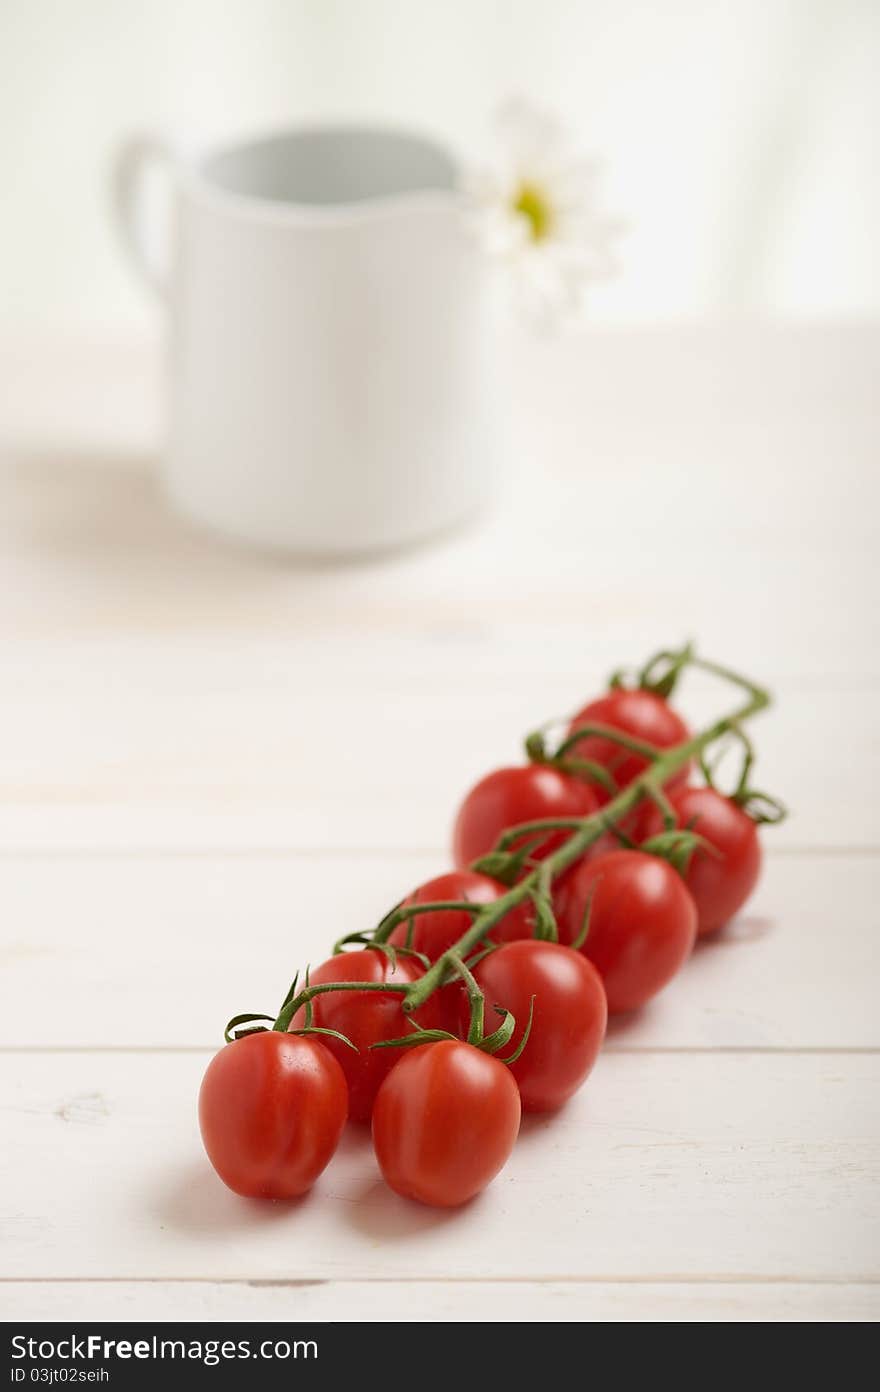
[(738, 136), (188, 811)]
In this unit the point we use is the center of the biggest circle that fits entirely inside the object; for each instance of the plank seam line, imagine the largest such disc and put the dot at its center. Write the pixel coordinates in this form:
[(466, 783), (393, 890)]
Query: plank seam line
[(666, 1279), (760, 1050), (163, 852)]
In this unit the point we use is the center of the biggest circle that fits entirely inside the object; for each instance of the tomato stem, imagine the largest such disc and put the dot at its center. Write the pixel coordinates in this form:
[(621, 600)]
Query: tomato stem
[(294, 1003), (476, 999), (607, 732), (507, 838), (660, 673), (404, 912), (589, 829), (664, 806), (535, 884)]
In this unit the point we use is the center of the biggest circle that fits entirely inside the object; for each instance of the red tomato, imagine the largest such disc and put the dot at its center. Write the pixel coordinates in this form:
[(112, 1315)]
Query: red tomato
[(272, 1107), (641, 714), (569, 1019), (720, 884), (642, 922), (445, 1121), (365, 1017), (434, 933), (509, 796)]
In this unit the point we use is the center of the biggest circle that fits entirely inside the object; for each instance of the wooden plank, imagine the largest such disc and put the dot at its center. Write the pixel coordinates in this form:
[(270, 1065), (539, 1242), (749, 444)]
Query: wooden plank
[(161, 951), (162, 692), (433, 1301), (683, 1166), (218, 743), (733, 415), (88, 550), (106, 396)]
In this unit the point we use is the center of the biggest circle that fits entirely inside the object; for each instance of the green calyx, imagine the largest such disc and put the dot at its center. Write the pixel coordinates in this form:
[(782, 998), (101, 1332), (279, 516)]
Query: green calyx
[(677, 846), (761, 807), (587, 770), (660, 674)]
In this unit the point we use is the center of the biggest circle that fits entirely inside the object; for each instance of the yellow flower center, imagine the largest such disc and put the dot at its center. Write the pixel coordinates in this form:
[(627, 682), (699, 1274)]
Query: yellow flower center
[(533, 206)]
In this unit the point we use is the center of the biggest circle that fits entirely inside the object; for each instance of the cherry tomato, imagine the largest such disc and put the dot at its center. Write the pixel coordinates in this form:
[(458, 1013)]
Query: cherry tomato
[(434, 933), (569, 1019), (509, 796), (444, 1123), (365, 1017), (641, 714), (642, 922), (720, 884), (272, 1107)]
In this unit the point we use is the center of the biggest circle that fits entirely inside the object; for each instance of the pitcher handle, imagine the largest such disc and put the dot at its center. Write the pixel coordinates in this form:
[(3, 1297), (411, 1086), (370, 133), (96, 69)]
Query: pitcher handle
[(135, 158)]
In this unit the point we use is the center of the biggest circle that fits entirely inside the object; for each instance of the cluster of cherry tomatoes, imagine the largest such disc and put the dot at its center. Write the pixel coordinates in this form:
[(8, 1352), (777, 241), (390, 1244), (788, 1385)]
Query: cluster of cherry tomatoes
[(445, 1106)]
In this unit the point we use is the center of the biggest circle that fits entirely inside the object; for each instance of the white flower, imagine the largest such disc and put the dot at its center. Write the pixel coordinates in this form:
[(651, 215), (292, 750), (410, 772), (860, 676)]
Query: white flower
[(536, 212)]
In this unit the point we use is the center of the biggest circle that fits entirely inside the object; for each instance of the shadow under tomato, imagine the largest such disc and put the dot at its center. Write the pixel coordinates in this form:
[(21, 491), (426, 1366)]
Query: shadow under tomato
[(377, 1212), (751, 928), (622, 1026), (542, 1127), (198, 1203), (537, 1124)]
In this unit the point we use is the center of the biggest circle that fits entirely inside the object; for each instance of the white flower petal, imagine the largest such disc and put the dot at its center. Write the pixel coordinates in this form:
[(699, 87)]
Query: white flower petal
[(503, 231), (531, 135), (552, 258)]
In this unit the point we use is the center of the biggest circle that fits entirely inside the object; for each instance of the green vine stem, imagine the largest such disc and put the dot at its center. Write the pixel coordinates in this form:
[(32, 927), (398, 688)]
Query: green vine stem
[(660, 673), (607, 732), (760, 806), (663, 805), (590, 829), (308, 993), (476, 999), (404, 913), (513, 834), (535, 884)]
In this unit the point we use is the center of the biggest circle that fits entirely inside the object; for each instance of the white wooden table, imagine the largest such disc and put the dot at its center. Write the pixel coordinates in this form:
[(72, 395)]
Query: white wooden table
[(213, 764)]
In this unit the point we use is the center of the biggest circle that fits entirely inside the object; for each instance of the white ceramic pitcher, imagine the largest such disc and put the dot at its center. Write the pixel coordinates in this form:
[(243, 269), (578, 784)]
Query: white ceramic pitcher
[(331, 347)]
